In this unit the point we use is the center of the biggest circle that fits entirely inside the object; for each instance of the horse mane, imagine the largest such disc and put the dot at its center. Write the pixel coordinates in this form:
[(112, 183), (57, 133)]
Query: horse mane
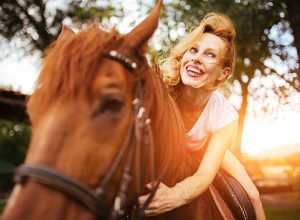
[(174, 161), (69, 68)]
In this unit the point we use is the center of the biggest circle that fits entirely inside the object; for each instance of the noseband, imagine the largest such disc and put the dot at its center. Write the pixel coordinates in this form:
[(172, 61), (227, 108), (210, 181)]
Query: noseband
[(138, 137)]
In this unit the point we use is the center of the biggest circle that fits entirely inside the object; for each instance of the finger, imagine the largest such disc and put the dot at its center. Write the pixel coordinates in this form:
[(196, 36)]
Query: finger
[(149, 212), (155, 206), (162, 185), (151, 184), (142, 199)]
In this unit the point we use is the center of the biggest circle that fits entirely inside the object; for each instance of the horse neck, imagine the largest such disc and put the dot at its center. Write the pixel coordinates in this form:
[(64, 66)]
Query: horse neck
[(174, 161)]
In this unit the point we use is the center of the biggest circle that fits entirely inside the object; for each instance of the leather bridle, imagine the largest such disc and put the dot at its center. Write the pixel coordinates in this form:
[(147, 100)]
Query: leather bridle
[(138, 137)]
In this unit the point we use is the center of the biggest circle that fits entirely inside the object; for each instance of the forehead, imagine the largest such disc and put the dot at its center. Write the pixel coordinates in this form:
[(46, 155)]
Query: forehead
[(210, 41)]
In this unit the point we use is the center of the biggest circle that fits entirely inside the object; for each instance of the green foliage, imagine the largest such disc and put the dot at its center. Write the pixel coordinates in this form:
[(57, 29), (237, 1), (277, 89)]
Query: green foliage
[(94, 13), (14, 140)]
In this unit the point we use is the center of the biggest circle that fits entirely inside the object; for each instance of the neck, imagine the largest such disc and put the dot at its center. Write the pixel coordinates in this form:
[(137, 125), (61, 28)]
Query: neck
[(194, 98)]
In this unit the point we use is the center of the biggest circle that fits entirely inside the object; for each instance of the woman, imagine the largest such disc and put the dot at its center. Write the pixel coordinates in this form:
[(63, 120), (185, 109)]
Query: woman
[(198, 65)]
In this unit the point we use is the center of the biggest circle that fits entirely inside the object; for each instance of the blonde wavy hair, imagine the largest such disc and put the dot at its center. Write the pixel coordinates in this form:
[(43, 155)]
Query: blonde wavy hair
[(215, 23)]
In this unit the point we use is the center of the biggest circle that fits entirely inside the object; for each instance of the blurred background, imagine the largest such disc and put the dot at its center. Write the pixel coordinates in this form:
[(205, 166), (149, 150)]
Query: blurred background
[(265, 87)]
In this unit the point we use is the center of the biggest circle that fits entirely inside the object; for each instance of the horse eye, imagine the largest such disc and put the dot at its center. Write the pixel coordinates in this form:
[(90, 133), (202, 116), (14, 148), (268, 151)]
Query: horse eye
[(111, 104)]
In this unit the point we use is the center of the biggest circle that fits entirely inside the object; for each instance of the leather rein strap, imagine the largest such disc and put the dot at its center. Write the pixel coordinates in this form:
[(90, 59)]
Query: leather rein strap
[(138, 136)]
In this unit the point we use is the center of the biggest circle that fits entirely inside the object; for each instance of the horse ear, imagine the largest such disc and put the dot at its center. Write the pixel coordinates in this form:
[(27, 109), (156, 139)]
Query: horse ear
[(141, 33), (65, 33)]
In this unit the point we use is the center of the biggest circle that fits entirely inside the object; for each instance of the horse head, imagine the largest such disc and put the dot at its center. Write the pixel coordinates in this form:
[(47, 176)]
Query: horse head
[(87, 112)]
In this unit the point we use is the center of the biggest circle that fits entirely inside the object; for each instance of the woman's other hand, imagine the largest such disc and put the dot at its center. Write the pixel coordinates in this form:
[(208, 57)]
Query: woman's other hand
[(165, 199)]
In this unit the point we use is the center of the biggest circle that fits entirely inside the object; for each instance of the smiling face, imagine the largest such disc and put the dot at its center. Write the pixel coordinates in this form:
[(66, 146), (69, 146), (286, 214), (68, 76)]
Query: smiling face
[(201, 65)]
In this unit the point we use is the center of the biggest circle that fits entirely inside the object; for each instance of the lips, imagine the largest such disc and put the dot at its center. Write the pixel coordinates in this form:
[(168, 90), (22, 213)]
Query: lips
[(193, 71)]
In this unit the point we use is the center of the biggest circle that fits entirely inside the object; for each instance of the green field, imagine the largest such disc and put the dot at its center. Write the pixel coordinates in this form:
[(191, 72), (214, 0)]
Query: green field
[(286, 213)]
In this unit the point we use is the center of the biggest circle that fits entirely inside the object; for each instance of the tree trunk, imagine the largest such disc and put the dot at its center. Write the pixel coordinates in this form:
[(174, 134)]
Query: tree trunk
[(242, 114)]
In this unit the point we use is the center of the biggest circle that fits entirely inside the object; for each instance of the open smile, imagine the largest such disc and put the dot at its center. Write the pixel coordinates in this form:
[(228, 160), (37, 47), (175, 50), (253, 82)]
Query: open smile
[(194, 71)]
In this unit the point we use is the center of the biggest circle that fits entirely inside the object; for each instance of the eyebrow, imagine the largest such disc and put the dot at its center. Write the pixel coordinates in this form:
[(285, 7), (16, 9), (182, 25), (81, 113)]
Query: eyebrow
[(209, 48)]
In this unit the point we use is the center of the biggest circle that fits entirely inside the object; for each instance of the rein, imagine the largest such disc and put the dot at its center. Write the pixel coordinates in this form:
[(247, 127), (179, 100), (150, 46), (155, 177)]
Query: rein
[(139, 136)]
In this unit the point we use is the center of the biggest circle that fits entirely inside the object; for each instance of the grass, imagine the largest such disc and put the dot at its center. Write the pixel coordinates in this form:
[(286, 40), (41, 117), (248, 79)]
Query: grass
[(2, 204), (286, 213)]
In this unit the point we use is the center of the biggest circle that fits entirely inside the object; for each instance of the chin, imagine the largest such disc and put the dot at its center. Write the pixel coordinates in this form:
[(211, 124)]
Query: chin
[(192, 83)]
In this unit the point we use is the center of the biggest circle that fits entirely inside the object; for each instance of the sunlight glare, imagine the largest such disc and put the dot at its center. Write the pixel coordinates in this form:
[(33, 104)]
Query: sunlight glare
[(260, 136)]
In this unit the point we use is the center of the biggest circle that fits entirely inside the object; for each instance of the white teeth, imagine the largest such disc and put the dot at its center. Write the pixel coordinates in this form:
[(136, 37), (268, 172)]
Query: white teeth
[(193, 70)]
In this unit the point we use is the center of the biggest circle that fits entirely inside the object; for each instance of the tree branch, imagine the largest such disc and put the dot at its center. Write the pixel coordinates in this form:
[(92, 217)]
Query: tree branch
[(40, 29), (291, 83)]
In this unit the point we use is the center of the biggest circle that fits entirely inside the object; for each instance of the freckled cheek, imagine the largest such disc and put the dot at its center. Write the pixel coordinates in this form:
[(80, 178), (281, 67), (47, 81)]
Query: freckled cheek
[(211, 67), (186, 58)]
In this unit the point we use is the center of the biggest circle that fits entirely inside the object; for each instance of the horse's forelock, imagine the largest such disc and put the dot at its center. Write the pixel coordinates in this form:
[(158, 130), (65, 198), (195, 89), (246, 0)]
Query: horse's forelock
[(70, 66)]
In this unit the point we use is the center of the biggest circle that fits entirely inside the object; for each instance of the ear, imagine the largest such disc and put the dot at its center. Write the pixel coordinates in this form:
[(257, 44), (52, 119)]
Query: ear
[(141, 33), (224, 74), (65, 33)]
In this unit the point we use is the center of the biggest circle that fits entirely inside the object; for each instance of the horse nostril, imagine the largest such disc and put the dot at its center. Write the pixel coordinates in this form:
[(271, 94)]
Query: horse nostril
[(110, 104)]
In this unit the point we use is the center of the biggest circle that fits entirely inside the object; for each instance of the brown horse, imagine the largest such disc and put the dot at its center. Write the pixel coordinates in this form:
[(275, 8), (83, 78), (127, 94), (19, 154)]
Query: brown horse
[(81, 113)]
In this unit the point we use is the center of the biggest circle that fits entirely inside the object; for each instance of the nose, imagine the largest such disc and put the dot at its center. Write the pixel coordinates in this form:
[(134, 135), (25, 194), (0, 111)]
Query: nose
[(197, 59)]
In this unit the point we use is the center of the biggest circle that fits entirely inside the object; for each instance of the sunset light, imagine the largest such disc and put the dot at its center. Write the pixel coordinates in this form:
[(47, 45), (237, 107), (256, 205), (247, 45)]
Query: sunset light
[(262, 135), (80, 82)]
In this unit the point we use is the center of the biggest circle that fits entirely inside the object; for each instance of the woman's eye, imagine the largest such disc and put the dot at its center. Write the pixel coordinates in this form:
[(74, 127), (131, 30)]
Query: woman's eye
[(211, 55), (193, 50)]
